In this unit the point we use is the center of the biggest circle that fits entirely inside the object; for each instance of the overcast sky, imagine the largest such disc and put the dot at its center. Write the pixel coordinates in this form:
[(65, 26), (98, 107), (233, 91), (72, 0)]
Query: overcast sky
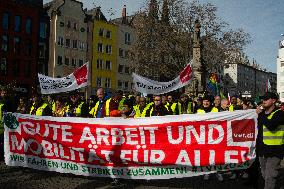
[(262, 19)]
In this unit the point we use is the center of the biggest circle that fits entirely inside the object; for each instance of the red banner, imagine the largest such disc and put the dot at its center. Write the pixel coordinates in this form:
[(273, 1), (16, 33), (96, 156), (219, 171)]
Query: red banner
[(128, 144)]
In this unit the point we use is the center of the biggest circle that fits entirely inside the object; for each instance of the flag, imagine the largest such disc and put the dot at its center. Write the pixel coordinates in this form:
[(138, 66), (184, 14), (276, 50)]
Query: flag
[(229, 98), (212, 85), (268, 86)]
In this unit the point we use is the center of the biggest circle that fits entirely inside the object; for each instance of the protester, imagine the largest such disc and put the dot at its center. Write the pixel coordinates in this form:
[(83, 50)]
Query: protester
[(127, 110), (270, 140), (39, 107), (92, 101), (60, 107), (217, 102), (5, 106), (206, 105), (156, 109), (224, 105), (234, 104), (22, 106), (76, 106), (138, 109), (186, 104), (174, 107)]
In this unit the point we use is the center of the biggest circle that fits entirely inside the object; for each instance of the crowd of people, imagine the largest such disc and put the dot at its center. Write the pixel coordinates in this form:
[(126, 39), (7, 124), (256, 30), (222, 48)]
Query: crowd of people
[(102, 105)]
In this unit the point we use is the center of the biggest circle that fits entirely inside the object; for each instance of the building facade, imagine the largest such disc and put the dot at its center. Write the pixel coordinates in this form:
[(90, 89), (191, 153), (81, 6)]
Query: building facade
[(68, 37), (246, 80), (280, 71), (104, 63), (24, 42), (125, 40)]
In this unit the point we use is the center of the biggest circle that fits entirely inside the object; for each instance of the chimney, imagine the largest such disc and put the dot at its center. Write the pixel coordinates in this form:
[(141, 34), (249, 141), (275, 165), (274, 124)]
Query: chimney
[(124, 14)]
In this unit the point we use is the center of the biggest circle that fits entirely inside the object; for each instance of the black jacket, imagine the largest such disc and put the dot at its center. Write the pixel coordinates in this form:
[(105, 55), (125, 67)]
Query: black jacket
[(272, 124)]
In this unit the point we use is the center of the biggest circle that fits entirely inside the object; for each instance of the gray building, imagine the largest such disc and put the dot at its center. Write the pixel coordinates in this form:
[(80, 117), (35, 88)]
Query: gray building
[(247, 80), (125, 40)]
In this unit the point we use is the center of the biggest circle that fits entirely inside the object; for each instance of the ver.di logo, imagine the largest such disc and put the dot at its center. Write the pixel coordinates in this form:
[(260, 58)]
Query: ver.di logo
[(10, 121)]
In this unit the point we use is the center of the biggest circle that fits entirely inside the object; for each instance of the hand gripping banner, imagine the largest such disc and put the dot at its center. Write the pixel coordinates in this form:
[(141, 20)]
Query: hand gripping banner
[(143, 148), (78, 79)]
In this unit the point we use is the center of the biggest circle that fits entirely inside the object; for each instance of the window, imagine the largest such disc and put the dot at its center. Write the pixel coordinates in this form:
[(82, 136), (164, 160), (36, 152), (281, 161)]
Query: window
[(100, 47), (5, 43), (68, 24), (120, 68), (108, 34), (74, 42), (108, 49), (80, 63), (41, 50), (60, 41), (61, 24), (42, 30), (59, 60), (5, 21), (29, 47), (108, 65), (99, 64), (101, 32), (99, 81), (17, 44), (75, 26), (27, 71), (282, 95), (126, 70), (17, 27), (3, 66), (127, 38), (282, 63), (66, 61), (16, 68), (107, 83), (126, 54), (126, 85), (120, 53), (119, 84), (67, 43), (29, 26), (81, 45), (74, 62)]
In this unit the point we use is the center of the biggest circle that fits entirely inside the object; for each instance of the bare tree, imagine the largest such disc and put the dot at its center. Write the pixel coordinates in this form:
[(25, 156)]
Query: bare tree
[(164, 46)]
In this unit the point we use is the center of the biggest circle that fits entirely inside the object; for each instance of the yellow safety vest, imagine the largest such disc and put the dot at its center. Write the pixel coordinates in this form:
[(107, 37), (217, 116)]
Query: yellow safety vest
[(231, 108), (275, 137), (94, 110), (78, 109), (214, 109), (39, 111), (120, 105), (53, 107), (173, 107), (200, 111), (1, 119), (189, 106)]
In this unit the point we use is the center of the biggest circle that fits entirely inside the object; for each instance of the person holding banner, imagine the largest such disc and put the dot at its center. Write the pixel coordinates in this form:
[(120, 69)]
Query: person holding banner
[(77, 107), (270, 140), (39, 107)]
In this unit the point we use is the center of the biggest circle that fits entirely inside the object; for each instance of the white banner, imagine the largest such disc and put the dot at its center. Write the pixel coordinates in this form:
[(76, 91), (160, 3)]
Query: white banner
[(76, 80), (148, 86)]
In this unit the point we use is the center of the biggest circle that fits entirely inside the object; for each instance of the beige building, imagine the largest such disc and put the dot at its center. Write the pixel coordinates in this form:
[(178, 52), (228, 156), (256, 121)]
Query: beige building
[(68, 37), (125, 40)]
